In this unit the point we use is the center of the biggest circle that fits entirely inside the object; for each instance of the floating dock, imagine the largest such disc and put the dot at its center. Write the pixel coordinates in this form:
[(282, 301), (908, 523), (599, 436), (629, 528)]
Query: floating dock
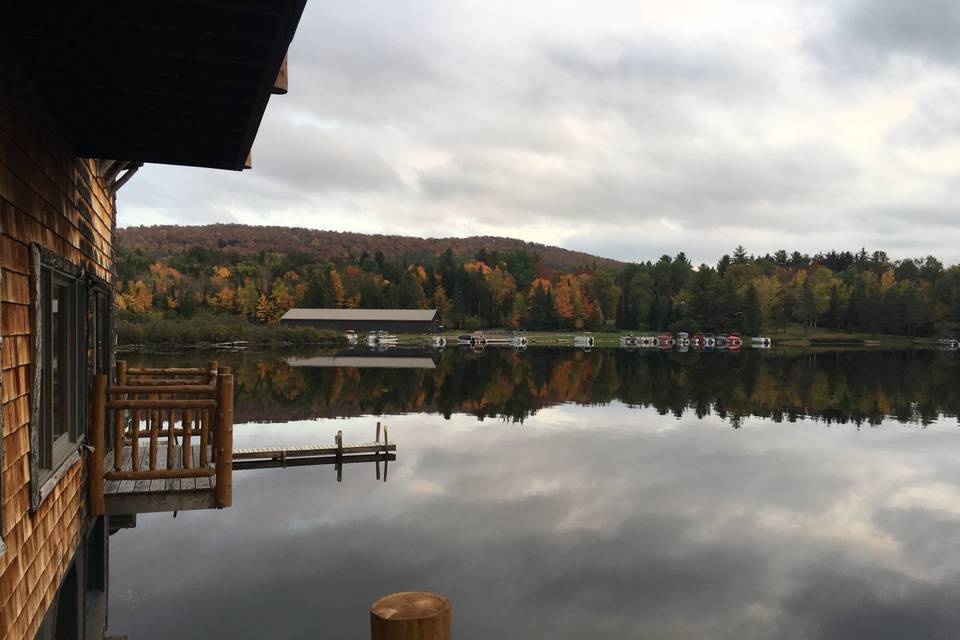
[(311, 455)]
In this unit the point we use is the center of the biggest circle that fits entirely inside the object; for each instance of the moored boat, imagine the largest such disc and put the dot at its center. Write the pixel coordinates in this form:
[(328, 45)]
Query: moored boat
[(585, 340), (475, 339), (381, 339), (519, 340)]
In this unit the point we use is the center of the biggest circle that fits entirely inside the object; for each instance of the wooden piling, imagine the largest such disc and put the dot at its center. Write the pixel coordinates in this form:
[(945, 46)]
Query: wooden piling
[(118, 428), (410, 615), (224, 431), (97, 425)]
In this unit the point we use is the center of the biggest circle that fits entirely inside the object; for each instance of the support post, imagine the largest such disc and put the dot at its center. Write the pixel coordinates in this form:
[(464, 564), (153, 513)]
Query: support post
[(120, 416), (224, 430), (97, 426), (410, 615)]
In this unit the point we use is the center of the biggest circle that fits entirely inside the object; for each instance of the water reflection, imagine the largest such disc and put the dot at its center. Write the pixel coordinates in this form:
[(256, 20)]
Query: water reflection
[(605, 516), (862, 387)]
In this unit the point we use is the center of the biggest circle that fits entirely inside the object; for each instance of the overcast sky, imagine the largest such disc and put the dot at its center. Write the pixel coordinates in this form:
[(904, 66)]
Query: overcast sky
[(626, 129)]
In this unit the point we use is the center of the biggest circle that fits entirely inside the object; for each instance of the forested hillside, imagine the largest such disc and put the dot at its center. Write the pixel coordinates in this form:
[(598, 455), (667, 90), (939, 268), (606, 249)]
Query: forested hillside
[(338, 246), (517, 287)]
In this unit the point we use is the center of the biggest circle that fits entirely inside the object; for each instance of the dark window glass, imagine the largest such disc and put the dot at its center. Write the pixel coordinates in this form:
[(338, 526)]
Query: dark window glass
[(60, 407)]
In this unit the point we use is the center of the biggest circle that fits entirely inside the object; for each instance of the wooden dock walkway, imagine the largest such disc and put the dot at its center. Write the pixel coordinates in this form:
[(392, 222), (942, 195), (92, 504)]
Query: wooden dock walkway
[(159, 494), (312, 451)]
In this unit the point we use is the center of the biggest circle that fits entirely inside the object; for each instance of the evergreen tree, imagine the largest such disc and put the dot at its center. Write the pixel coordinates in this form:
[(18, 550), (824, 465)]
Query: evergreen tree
[(752, 314), (834, 311)]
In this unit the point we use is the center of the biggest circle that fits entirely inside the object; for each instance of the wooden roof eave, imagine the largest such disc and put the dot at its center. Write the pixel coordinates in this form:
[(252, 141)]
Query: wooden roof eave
[(268, 82)]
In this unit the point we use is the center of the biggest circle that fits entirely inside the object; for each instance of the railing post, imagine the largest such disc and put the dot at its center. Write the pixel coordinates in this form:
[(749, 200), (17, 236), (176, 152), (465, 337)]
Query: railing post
[(95, 466), (119, 426), (224, 440), (410, 615)]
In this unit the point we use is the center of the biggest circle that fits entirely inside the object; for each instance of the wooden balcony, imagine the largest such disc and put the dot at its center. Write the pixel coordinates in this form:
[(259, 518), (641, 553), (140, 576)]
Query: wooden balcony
[(172, 440)]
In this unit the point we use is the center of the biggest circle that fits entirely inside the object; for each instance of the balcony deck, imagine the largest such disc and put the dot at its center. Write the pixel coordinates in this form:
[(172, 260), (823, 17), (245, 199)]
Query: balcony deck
[(159, 494)]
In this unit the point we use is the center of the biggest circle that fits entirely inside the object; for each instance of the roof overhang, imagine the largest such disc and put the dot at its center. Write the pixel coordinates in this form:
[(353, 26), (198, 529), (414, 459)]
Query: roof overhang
[(166, 81)]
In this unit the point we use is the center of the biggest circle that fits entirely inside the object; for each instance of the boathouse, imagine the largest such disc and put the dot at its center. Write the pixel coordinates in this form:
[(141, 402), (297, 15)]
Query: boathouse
[(363, 320), (89, 92)]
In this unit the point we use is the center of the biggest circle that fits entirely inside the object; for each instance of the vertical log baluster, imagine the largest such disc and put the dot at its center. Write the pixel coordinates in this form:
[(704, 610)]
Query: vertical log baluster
[(170, 426), (187, 428), (204, 417), (155, 417), (135, 439)]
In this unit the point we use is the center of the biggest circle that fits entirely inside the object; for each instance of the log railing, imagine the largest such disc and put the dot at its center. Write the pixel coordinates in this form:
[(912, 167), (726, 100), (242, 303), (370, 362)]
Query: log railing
[(172, 410)]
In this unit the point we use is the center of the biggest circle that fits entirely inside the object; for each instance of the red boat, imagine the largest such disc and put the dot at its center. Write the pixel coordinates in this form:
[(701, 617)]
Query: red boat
[(734, 341), (698, 341), (666, 341)]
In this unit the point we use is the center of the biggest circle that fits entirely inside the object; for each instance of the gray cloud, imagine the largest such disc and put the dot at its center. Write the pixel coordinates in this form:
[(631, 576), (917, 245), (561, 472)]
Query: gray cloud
[(868, 33), (571, 125)]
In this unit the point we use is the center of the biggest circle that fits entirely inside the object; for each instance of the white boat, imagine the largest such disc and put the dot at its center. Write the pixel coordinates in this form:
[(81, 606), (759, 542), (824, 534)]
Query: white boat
[(948, 343), (351, 336), (682, 339), (628, 341), (760, 342), (519, 340), (585, 340), (475, 339), (381, 339), (437, 342)]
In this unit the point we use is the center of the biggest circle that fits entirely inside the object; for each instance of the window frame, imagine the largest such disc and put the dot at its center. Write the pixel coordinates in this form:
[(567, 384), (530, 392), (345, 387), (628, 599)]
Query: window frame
[(51, 457)]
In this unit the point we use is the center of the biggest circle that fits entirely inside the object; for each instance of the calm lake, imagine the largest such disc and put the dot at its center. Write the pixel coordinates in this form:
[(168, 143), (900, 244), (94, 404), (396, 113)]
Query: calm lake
[(562, 494)]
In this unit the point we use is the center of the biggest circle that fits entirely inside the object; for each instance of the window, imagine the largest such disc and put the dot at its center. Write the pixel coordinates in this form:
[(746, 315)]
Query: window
[(59, 370), (98, 322)]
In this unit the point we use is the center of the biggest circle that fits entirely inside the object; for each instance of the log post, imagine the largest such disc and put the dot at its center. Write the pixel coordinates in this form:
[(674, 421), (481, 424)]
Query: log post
[(224, 437), (410, 615), (120, 415), (213, 447), (97, 426)]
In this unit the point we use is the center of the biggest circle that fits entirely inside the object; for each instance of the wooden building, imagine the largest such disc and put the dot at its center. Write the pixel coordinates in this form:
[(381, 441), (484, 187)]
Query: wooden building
[(363, 320), (89, 91)]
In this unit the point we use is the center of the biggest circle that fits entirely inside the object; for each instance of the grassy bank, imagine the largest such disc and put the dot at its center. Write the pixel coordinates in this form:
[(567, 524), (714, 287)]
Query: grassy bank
[(204, 330)]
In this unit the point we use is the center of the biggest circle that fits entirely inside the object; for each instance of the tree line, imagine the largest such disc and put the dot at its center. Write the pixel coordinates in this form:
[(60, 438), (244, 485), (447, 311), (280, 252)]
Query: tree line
[(862, 291), (868, 388)]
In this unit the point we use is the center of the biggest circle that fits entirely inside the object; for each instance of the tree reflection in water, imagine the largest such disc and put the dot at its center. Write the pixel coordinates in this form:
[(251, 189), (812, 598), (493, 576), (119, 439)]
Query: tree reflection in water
[(860, 387)]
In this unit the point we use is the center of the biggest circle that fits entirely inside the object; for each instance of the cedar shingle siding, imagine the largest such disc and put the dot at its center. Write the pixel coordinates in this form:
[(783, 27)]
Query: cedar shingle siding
[(51, 198)]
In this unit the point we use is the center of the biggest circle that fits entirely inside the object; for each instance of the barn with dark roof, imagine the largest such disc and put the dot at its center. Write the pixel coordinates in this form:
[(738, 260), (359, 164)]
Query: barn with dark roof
[(363, 320)]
